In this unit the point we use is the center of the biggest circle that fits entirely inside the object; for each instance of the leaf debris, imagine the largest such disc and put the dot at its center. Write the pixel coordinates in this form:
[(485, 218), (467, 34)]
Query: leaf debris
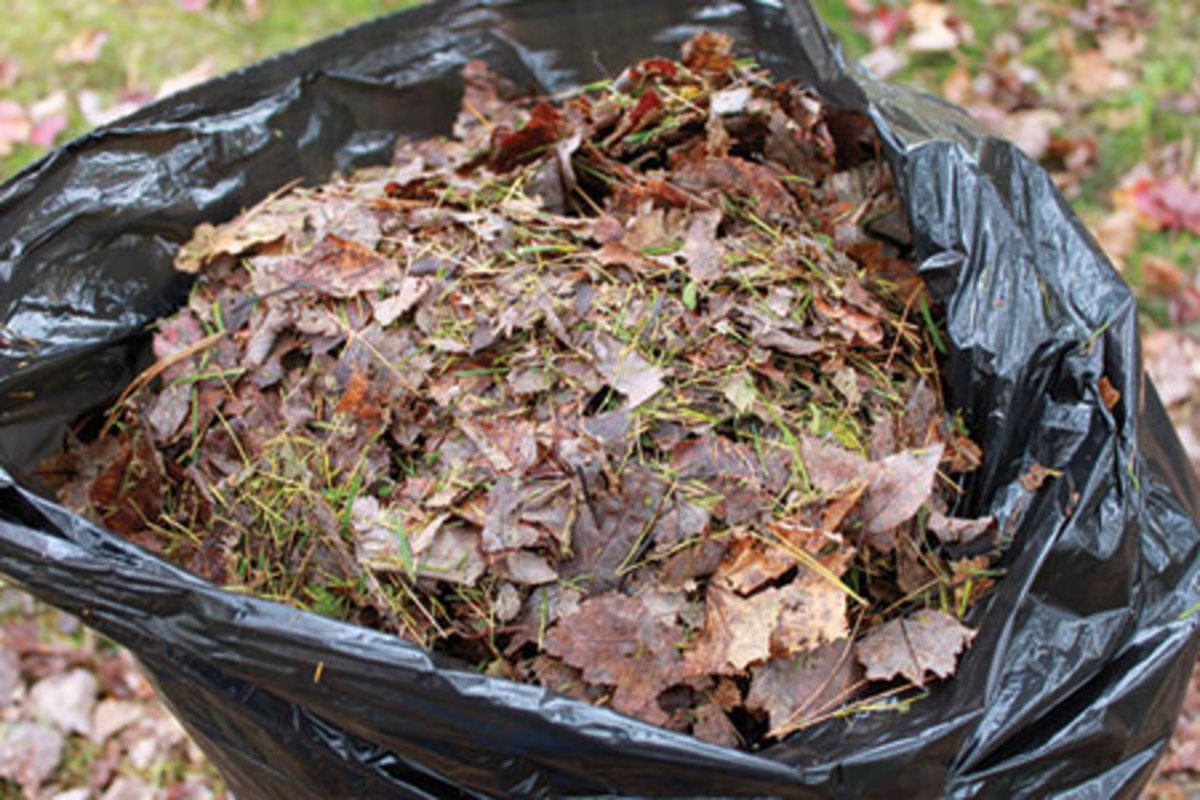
[(610, 393)]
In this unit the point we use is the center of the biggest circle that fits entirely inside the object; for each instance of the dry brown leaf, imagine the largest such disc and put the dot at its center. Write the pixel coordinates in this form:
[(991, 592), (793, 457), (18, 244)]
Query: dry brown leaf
[(737, 631), (751, 565), (529, 568), (626, 371), (453, 555), (392, 307), (1108, 393), (793, 689), (926, 643), (831, 468), (812, 611), (713, 726), (703, 252), (953, 530), (334, 266), (615, 642), (900, 485)]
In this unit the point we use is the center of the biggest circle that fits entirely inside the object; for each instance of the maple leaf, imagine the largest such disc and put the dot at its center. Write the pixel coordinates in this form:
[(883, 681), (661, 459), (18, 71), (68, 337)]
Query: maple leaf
[(928, 642), (616, 642), (737, 631), (750, 565), (812, 610)]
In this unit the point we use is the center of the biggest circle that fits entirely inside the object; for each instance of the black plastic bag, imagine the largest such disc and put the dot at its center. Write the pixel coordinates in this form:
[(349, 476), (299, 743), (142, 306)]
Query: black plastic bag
[(1084, 649)]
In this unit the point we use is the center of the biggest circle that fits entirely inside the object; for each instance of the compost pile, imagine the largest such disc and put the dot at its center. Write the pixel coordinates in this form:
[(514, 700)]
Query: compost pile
[(630, 393)]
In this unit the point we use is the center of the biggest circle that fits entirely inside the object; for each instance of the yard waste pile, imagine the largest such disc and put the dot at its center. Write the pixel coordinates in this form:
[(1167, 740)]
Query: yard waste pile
[(615, 394), (655, 374)]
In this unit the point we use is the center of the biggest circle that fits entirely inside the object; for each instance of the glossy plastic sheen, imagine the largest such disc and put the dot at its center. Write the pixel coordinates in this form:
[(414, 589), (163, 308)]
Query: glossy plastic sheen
[(1083, 651)]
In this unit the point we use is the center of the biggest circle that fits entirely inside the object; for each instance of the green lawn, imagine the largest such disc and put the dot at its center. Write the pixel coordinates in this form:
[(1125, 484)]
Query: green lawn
[(150, 41)]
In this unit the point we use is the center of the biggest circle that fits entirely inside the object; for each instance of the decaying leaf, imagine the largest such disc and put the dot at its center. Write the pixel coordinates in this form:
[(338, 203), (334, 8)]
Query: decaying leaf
[(29, 754), (615, 642), (916, 647), (619, 391), (900, 485), (960, 531), (794, 689), (627, 371)]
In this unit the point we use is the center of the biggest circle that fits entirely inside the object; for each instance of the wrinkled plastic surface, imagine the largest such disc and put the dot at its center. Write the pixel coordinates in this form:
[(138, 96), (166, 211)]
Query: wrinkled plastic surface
[(1083, 651)]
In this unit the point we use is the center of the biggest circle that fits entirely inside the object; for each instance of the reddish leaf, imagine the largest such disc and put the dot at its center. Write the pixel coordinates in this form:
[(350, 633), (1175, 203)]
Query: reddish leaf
[(616, 642), (709, 52), (46, 131), (513, 148), (1171, 202)]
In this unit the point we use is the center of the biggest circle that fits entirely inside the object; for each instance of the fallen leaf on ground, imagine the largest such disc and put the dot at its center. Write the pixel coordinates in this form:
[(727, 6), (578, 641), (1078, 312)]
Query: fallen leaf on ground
[(15, 126), (85, 48), (899, 486), (66, 700), (29, 754), (935, 28)]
